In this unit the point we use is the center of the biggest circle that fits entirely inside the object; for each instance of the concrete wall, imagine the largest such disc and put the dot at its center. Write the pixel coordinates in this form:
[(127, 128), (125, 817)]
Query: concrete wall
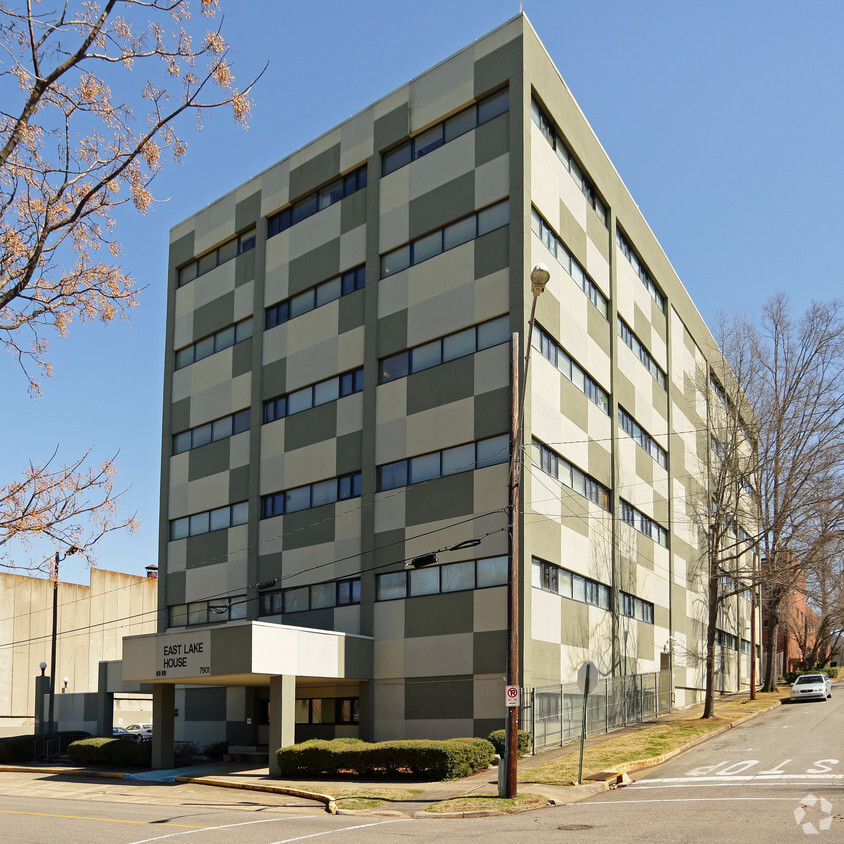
[(92, 621)]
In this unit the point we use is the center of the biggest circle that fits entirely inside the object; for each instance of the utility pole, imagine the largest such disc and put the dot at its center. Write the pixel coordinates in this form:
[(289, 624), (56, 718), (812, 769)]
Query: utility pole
[(54, 576)]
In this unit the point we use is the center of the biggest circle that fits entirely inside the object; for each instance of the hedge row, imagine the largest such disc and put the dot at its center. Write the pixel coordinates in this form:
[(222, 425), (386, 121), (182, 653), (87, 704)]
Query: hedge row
[(791, 676), (499, 739), (435, 760), (22, 748), (110, 751)]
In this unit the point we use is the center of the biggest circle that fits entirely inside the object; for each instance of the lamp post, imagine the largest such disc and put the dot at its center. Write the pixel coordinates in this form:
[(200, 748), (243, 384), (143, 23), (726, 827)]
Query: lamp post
[(538, 279), (54, 575)]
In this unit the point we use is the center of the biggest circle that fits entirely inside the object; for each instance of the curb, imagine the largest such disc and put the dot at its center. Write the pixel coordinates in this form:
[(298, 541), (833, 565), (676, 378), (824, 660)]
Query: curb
[(65, 772), (329, 802)]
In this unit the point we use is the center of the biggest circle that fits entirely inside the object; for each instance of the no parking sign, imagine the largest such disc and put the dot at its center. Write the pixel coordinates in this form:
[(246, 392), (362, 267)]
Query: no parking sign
[(512, 696)]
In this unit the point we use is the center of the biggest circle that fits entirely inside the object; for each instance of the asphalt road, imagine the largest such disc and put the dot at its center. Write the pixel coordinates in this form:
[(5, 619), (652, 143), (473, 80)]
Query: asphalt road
[(765, 781)]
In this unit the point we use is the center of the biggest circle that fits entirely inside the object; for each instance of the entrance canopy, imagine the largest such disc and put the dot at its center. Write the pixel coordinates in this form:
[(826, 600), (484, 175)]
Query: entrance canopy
[(246, 653)]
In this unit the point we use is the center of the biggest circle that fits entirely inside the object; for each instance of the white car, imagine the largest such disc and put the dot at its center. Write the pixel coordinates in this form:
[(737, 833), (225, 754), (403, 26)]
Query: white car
[(142, 732), (811, 687)]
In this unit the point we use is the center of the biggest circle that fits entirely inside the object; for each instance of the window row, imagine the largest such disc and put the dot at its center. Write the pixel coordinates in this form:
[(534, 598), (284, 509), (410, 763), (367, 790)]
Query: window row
[(745, 648), (726, 640), (548, 347), (313, 395), (223, 517), (569, 263), (310, 495), (443, 349), (207, 612), (466, 229), (729, 408), (644, 524), (455, 126), (316, 201), (551, 578), (315, 297), (318, 596), (553, 136), (214, 343), (205, 263), (638, 348), (633, 429), (451, 577), (327, 710), (210, 432), (569, 475), (449, 461), (639, 268), (637, 608)]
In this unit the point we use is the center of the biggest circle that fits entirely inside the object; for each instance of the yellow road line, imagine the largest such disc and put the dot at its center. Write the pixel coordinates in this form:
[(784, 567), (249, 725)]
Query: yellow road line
[(106, 820)]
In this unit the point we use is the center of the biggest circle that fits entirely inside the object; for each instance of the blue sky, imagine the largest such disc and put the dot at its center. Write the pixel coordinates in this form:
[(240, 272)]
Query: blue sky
[(723, 119)]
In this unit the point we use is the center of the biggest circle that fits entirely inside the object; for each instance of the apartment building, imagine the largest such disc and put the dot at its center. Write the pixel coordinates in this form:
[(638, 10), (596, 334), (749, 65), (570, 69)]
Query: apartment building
[(337, 403)]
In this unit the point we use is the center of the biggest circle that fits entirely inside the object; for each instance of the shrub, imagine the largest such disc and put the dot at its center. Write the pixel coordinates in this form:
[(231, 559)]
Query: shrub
[(110, 751), (498, 739), (791, 676), (436, 760), (22, 748)]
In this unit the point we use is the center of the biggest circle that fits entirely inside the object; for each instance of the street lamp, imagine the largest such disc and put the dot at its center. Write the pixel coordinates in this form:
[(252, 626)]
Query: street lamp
[(54, 575), (538, 279)]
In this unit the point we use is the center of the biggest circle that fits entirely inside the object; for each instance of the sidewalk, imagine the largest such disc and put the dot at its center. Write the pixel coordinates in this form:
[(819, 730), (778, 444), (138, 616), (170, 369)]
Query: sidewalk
[(400, 798)]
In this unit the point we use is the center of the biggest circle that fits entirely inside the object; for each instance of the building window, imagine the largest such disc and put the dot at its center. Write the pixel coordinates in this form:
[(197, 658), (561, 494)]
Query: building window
[(447, 130), (548, 347), (633, 429), (568, 262), (436, 580), (726, 640), (209, 520), (207, 612), (443, 349), (554, 137), (311, 495), (569, 475), (462, 231), (214, 343), (449, 461), (316, 201), (327, 710), (322, 392), (207, 262), (638, 348), (639, 268), (317, 596), (210, 432), (315, 297), (637, 608), (644, 524), (559, 581)]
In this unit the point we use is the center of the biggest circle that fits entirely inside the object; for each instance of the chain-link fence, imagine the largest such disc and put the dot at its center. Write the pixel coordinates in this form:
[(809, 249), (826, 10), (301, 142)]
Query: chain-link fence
[(553, 715)]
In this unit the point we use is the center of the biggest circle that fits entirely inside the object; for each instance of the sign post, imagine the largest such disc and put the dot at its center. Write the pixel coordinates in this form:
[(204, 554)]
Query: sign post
[(587, 680)]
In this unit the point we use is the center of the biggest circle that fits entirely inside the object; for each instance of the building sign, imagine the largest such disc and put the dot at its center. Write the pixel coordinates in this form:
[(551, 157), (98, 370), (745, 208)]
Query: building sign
[(183, 655)]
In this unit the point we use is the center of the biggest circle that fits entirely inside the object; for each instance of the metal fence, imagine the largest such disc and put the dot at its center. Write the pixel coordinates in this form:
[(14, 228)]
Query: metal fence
[(553, 715)]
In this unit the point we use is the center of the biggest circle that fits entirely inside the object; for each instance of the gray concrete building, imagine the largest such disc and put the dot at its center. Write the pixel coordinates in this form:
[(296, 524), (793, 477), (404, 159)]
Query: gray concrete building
[(91, 622), (337, 402)]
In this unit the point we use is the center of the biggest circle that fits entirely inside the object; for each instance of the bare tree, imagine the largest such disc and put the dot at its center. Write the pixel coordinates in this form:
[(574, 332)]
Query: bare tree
[(727, 515), (71, 152), (795, 386)]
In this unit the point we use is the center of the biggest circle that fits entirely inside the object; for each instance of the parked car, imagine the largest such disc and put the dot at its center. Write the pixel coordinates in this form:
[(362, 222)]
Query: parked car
[(142, 732), (811, 687), (121, 732)]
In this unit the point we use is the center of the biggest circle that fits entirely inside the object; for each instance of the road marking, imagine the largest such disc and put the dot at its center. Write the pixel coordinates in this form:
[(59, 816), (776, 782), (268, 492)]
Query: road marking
[(684, 800), (86, 818), (748, 778), (343, 829), (223, 826)]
